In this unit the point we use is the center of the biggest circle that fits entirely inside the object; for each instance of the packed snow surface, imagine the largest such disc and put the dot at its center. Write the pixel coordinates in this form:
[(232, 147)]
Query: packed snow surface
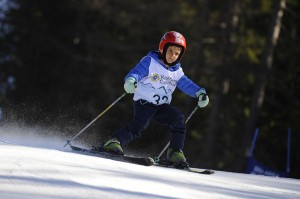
[(41, 168)]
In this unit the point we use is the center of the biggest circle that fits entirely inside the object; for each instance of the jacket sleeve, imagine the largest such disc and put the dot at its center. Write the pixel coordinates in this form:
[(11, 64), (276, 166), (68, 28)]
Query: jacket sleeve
[(140, 70), (188, 86)]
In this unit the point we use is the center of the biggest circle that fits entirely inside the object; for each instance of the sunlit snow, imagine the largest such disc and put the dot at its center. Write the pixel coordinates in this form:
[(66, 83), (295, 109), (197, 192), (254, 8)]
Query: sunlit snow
[(40, 167)]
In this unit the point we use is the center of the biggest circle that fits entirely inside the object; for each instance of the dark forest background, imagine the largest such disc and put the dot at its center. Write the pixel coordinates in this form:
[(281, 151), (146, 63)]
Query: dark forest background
[(63, 62)]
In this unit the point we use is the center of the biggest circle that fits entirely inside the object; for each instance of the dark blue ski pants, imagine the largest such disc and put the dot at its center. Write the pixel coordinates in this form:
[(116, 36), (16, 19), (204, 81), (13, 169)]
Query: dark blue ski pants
[(144, 112)]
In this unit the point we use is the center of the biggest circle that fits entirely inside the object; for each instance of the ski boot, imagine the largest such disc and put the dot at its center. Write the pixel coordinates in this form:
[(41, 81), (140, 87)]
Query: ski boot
[(112, 146), (174, 158), (175, 155)]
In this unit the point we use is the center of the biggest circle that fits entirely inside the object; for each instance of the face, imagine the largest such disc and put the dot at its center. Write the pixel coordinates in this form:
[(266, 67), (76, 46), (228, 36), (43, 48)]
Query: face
[(172, 54)]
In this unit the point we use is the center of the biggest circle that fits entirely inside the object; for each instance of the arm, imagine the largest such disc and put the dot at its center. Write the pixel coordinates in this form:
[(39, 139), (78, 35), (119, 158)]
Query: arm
[(188, 86)]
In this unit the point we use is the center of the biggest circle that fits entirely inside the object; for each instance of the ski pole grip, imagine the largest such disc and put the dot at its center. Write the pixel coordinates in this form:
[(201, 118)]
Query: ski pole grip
[(204, 97)]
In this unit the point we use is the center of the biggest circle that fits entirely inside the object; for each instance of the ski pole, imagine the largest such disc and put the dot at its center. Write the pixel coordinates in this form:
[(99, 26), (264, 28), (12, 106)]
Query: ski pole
[(156, 159), (69, 141)]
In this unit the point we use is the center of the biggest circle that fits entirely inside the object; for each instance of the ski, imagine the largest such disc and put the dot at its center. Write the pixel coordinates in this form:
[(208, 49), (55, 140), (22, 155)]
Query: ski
[(200, 171), (145, 161), (184, 166)]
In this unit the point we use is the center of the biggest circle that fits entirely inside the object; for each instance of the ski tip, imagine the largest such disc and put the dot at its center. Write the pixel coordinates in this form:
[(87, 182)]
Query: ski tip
[(146, 161), (150, 161), (208, 171), (201, 171)]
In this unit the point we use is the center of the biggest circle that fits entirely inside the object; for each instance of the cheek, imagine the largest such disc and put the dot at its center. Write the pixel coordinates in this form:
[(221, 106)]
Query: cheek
[(176, 56)]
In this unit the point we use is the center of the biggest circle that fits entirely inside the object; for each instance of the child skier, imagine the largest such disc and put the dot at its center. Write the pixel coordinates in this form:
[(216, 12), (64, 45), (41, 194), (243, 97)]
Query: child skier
[(152, 81)]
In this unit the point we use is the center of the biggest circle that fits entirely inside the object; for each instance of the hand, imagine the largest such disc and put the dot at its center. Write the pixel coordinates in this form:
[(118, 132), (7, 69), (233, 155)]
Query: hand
[(203, 98), (129, 85)]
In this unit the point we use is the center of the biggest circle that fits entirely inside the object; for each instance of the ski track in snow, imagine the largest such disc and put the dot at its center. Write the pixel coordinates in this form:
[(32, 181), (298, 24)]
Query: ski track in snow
[(40, 167)]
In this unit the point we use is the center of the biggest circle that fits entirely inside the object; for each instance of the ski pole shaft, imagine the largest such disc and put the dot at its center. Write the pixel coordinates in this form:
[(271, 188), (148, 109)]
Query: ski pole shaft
[(102, 113), (168, 144), (192, 113), (156, 159)]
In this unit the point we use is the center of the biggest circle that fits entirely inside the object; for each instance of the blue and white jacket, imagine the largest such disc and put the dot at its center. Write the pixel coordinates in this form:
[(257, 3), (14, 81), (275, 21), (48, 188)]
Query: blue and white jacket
[(156, 82)]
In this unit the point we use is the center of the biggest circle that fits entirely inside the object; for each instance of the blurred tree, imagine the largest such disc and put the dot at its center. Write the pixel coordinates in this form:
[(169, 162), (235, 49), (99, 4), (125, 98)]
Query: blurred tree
[(262, 74)]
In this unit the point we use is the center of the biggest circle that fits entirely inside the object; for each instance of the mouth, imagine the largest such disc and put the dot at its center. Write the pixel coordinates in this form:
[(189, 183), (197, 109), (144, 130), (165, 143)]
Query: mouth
[(170, 60)]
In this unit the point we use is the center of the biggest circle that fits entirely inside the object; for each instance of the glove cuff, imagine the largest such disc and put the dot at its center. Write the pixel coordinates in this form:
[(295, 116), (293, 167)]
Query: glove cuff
[(130, 79), (200, 92)]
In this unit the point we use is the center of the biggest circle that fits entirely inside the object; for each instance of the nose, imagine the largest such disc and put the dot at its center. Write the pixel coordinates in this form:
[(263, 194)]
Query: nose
[(173, 54)]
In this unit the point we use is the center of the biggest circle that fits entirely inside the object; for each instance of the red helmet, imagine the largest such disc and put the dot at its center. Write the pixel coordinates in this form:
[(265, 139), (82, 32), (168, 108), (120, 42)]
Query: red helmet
[(170, 38)]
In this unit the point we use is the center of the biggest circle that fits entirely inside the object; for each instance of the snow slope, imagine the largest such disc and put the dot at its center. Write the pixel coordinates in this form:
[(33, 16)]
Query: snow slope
[(30, 171)]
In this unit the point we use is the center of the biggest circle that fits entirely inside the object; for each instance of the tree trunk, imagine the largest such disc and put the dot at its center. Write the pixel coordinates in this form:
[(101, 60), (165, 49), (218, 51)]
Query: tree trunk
[(262, 77), (222, 81)]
